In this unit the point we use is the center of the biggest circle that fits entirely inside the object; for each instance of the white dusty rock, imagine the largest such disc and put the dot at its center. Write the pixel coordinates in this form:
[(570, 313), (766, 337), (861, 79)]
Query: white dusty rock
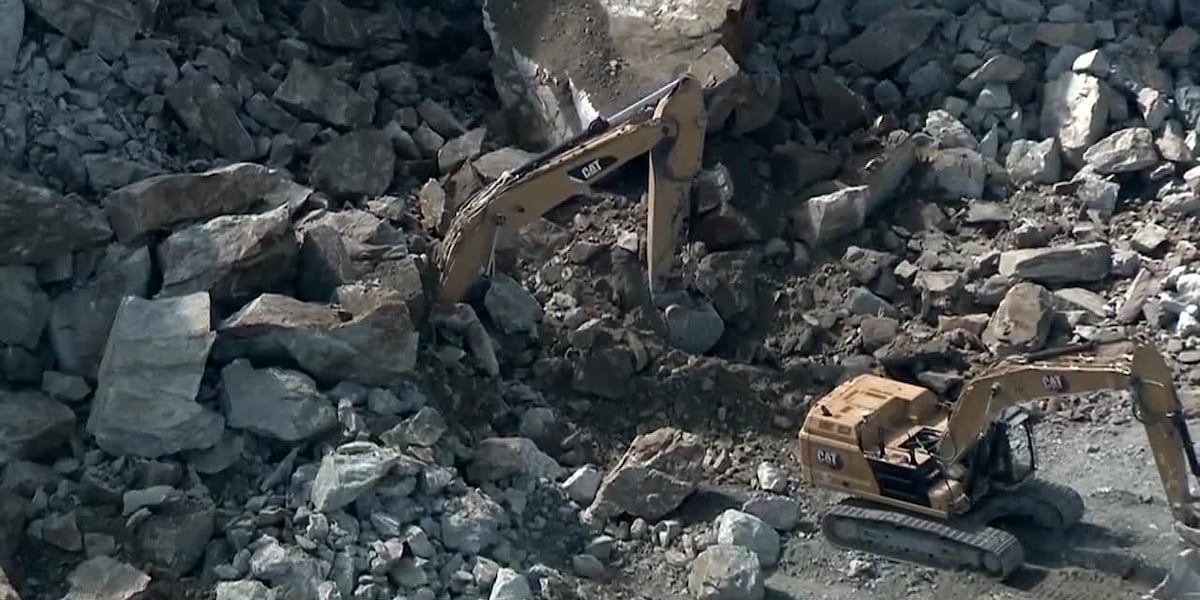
[(1036, 162), (510, 585), (348, 472), (738, 528), (105, 578), (1022, 321), (583, 484), (1075, 110), (657, 473), (1130, 149), (145, 403), (726, 572)]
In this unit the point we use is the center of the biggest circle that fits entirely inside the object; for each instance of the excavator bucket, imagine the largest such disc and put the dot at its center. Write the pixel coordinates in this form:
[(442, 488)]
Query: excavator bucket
[(1183, 578)]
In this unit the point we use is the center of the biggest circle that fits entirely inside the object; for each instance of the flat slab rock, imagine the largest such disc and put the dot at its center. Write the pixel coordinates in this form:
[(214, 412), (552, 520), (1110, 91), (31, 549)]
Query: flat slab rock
[(650, 43), (373, 343), (145, 403)]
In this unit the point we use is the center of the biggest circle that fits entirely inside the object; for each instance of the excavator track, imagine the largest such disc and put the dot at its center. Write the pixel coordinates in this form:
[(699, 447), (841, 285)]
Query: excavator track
[(1050, 505), (854, 524)]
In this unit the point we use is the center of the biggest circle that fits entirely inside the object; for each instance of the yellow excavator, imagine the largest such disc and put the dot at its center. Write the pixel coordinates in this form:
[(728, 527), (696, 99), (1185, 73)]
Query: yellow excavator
[(669, 124), (926, 479)]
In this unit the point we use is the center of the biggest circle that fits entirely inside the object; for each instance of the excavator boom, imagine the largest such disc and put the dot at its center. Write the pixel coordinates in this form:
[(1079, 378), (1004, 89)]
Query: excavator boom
[(668, 124)]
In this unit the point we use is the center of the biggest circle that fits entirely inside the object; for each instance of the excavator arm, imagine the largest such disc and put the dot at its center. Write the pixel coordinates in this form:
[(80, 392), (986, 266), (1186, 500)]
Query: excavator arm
[(1122, 365), (668, 124)]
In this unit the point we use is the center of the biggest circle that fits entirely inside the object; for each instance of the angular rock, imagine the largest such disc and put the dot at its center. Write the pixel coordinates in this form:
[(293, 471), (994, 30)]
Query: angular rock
[(737, 528), (376, 345), (949, 131), (958, 172), (780, 512), (831, 216), (145, 403), (695, 35), (694, 327), (1034, 162), (422, 429), (273, 402), (234, 257), (1073, 263), (324, 264), (440, 119), (1001, 68), (165, 201), (583, 484), (12, 25), (209, 115), (510, 585), (471, 523), (348, 472), (511, 307), (1075, 110), (38, 224), (726, 572), (315, 95), (890, 38), (461, 149), (246, 589), (289, 570), (360, 163), (33, 425), (1130, 149), (657, 473), (24, 307), (497, 458), (172, 540), (331, 23), (106, 26), (105, 578), (1022, 321), (80, 319)]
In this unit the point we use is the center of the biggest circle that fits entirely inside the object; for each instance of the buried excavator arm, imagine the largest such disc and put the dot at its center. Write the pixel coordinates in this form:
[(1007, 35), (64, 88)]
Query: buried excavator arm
[(1120, 365), (673, 135)]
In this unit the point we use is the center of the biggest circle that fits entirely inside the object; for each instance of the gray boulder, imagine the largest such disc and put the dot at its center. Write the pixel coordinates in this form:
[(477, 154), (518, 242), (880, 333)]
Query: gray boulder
[(273, 402), (726, 572)]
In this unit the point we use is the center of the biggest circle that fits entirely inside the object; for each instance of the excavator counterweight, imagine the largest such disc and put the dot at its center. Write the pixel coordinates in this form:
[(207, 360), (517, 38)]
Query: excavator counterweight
[(668, 124), (927, 478)]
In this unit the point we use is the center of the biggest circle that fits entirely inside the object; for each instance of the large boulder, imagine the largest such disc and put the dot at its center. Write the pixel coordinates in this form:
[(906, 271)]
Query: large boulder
[(145, 403), (536, 49)]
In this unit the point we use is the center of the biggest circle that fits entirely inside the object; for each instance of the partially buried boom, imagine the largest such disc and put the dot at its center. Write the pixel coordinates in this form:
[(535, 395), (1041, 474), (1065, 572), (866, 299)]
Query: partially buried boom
[(668, 124)]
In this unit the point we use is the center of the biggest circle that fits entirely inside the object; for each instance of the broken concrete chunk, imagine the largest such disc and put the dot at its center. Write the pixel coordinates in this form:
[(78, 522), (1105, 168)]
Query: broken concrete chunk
[(360, 163), (38, 224), (234, 257), (145, 402), (374, 346), (318, 96)]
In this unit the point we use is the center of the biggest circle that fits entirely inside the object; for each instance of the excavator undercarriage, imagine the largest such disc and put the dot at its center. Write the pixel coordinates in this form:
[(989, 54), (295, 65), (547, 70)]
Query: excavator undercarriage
[(931, 482)]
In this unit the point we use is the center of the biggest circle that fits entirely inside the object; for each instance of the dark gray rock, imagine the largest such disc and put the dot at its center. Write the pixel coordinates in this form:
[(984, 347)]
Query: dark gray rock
[(106, 26), (349, 472), (275, 403), (315, 95), (38, 224), (165, 201), (145, 403), (471, 523), (12, 25), (234, 257), (172, 540), (355, 164), (1074, 263), (331, 23), (208, 114), (374, 346), (80, 318), (33, 425), (24, 307)]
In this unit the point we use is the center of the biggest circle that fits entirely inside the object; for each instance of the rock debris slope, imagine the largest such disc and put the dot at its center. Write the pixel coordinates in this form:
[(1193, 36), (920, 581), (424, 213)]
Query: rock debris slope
[(222, 374)]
